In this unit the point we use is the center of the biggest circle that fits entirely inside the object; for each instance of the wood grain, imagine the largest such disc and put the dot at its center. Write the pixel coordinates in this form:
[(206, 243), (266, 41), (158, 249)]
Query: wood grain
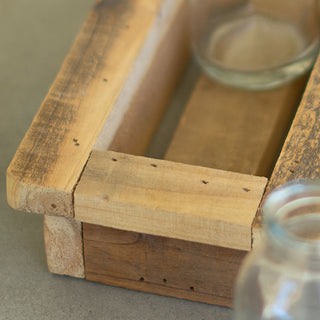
[(157, 87), (51, 157), (300, 155), (169, 199), (64, 246), (232, 129), (171, 267)]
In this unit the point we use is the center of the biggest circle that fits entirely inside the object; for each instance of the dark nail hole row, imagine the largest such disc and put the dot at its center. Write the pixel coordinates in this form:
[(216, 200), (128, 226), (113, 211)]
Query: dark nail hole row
[(246, 189), (164, 281), (114, 159), (205, 182), (153, 165)]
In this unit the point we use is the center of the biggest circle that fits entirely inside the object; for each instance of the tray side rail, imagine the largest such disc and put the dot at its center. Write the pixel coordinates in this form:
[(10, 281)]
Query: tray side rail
[(300, 155), (97, 82), (169, 199)]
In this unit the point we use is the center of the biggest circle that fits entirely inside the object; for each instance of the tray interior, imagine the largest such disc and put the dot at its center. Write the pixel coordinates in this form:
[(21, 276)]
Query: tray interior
[(220, 127)]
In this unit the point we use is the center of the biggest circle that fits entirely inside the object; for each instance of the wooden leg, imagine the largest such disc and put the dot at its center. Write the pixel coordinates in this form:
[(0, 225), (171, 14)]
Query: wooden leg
[(64, 246)]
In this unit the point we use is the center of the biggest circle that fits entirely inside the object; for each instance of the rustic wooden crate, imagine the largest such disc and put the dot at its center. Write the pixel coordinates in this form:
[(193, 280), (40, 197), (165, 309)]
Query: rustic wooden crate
[(178, 226)]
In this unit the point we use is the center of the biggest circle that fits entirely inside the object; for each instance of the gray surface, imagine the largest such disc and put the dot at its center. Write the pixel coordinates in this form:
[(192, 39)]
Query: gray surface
[(35, 37)]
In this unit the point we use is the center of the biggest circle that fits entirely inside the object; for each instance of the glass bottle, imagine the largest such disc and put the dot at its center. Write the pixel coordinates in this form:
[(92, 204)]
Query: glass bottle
[(254, 44), (280, 279)]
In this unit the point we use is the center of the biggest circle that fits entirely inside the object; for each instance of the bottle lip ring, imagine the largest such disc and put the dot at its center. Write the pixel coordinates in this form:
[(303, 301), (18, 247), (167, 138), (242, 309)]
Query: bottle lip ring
[(281, 202)]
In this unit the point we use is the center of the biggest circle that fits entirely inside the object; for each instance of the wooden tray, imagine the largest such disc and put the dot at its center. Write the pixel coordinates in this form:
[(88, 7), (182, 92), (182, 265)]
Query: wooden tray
[(178, 226)]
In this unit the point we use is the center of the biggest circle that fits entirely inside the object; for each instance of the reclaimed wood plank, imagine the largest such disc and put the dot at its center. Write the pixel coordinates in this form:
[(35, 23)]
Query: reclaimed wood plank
[(157, 87), (160, 265), (300, 155), (232, 129), (99, 77), (168, 199)]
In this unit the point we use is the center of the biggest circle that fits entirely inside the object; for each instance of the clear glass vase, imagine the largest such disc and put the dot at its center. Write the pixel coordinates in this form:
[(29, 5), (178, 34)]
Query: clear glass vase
[(280, 280), (254, 44)]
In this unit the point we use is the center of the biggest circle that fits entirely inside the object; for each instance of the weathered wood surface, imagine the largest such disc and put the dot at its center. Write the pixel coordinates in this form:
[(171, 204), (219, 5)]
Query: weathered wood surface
[(157, 87), (233, 129), (300, 155), (100, 70), (104, 242), (64, 246), (171, 267), (168, 199)]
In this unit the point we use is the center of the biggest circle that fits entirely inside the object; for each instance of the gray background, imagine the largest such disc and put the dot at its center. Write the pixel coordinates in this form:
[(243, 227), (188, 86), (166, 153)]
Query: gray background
[(35, 37)]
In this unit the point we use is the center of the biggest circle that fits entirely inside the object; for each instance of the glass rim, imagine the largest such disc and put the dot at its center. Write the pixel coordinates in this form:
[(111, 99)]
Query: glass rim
[(306, 53), (275, 205)]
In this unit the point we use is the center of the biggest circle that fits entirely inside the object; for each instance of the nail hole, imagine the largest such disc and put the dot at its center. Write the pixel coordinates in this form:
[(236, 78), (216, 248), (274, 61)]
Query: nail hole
[(153, 165), (105, 80), (296, 161), (141, 279), (114, 159), (164, 280), (205, 182), (77, 144), (54, 206), (246, 189), (291, 170), (192, 288), (75, 140)]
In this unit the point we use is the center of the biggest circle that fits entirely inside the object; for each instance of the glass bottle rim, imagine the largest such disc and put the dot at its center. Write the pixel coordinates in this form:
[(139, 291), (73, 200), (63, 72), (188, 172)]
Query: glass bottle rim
[(309, 51), (294, 200)]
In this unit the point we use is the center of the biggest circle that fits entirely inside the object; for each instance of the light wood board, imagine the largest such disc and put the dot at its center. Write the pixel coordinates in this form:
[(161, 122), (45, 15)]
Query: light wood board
[(232, 129), (101, 70), (169, 199)]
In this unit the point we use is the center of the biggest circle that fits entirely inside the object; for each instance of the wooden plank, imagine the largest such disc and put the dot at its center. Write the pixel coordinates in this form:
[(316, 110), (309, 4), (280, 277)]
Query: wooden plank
[(64, 246), (233, 129), (134, 132), (100, 75), (300, 155), (158, 85), (171, 267), (168, 199)]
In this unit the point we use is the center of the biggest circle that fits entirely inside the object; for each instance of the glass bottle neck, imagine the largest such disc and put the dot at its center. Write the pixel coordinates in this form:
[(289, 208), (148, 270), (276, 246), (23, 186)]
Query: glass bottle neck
[(292, 225)]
